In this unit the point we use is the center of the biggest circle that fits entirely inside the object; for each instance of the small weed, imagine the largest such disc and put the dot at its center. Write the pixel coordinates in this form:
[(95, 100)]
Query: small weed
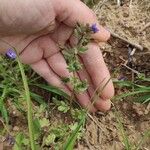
[(62, 106), (45, 131), (125, 139), (90, 3), (139, 89), (121, 130)]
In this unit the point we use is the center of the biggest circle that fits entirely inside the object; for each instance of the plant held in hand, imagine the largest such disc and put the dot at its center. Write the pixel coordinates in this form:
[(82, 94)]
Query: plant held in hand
[(83, 35)]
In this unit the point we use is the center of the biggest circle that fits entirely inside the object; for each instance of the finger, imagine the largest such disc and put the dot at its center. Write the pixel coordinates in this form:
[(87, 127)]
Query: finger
[(99, 103), (97, 70), (62, 34), (43, 69), (72, 12), (60, 68), (103, 105), (43, 47)]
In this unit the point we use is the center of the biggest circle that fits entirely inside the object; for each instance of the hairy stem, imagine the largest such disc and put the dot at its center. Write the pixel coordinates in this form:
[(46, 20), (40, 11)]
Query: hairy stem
[(29, 105)]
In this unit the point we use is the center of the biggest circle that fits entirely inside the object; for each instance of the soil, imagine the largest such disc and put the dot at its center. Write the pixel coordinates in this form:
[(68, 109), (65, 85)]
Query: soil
[(131, 22), (103, 133)]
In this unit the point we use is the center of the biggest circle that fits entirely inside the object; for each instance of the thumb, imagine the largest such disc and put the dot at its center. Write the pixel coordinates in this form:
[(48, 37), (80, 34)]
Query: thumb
[(71, 12)]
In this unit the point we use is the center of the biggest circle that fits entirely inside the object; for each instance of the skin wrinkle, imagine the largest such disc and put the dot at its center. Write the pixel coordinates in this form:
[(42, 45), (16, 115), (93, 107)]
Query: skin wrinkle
[(23, 8), (62, 12), (40, 54), (48, 52), (12, 21)]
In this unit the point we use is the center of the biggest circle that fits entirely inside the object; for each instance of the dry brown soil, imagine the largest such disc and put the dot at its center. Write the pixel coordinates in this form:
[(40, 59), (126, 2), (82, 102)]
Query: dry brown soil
[(131, 21)]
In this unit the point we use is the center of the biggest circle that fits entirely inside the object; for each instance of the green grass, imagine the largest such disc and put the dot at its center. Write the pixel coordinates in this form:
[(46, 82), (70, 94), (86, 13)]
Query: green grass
[(17, 94), (29, 105), (139, 89), (55, 135), (125, 139), (44, 128)]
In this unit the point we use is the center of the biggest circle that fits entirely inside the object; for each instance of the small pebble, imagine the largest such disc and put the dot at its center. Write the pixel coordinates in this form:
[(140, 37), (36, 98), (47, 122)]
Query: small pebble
[(15, 128)]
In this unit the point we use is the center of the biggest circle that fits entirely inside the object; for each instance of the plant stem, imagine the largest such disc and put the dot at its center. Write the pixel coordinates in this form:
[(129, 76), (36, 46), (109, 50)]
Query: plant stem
[(146, 135), (122, 130), (72, 93), (29, 105), (3, 109)]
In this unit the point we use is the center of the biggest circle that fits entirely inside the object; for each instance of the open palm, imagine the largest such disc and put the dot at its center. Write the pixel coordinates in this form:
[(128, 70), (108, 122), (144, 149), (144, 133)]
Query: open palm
[(40, 50)]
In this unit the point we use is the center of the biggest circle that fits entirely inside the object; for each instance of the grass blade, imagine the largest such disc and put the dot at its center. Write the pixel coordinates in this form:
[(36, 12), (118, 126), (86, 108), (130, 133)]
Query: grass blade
[(18, 143), (5, 114), (132, 93), (3, 109), (53, 89), (145, 98), (131, 84), (38, 98), (29, 105), (146, 134), (72, 139), (123, 134)]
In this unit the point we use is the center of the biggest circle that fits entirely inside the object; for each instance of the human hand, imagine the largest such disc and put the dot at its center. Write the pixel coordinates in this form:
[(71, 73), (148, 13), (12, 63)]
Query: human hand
[(36, 28)]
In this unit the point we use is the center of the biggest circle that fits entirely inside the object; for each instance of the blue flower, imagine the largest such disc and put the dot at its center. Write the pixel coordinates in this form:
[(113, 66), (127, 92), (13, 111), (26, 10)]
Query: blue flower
[(11, 54), (94, 28), (10, 139), (122, 78)]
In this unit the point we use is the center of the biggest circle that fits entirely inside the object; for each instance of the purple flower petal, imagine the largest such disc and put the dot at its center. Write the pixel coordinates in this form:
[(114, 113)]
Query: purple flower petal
[(122, 78), (94, 28), (11, 54), (10, 140)]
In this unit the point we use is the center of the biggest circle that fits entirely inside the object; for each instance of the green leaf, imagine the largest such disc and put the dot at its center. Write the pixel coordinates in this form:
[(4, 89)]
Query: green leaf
[(63, 109), (90, 3), (53, 89), (77, 114), (73, 126), (26, 141), (38, 98), (131, 93), (37, 126), (62, 106), (19, 139), (74, 65), (146, 79), (50, 139), (82, 49), (72, 139), (124, 83), (44, 122), (5, 114), (56, 102), (68, 54), (80, 86), (145, 98), (65, 79)]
